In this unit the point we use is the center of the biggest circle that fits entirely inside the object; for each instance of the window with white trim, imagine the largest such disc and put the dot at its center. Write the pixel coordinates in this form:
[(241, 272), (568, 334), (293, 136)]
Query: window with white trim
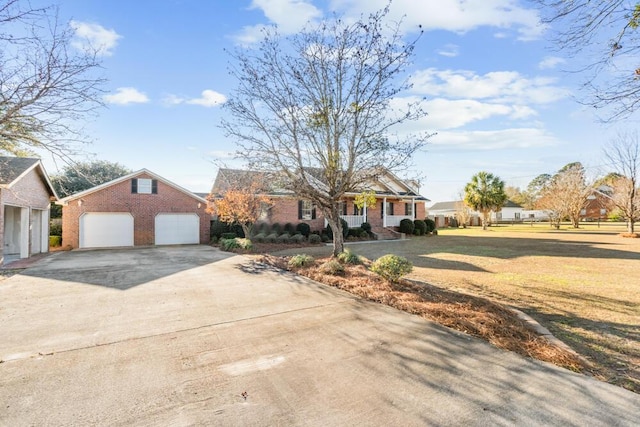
[(306, 211), (144, 186)]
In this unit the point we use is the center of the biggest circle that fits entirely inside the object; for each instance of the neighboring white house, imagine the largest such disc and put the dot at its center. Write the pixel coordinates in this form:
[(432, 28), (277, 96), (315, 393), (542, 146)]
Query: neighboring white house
[(440, 212)]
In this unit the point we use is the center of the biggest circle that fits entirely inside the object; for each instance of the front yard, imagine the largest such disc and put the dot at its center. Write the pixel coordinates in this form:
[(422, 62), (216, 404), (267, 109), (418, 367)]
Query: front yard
[(583, 285)]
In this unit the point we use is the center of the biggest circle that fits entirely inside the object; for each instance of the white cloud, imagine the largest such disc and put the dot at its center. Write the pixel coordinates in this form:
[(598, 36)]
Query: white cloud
[(126, 95), (550, 62), (289, 15), (449, 50), (498, 86), (94, 37), (208, 98), (453, 15), (495, 139)]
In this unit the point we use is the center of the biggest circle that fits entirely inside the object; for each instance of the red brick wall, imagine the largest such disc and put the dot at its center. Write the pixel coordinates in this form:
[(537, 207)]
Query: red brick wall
[(143, 207), (285, 210)]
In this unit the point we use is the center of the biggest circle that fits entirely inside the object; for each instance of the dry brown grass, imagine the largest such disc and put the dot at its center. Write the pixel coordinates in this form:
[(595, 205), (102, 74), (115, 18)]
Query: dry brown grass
[(473, 315)]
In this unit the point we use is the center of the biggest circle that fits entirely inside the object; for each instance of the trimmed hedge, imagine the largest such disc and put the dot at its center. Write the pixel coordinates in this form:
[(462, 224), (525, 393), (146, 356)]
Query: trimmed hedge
[(420, 227), (406, 226), (431, 225), (304, 229)]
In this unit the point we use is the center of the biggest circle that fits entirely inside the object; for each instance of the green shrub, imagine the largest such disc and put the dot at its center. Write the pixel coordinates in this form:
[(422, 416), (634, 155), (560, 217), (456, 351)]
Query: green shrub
[(324, 238), (259, 238), (362, 233), (55, 229), (348, 257), (290, 229), (55, 241), (218, 227), (431, 225), (406, 226), (283, 238), (391, 267), (332, 267), (298, 238), (264, 228), (345, 229), (276, 228), (304, 229), (235, 243), (300, 260), (237, 228), (366, 227), (353, 232), (213, 241), (315, 238), (271, 238), (229, 235), (420, 226)]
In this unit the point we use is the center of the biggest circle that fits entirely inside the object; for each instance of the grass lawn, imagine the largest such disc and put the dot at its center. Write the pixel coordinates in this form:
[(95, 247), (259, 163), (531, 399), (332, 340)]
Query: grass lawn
[(583, 285)]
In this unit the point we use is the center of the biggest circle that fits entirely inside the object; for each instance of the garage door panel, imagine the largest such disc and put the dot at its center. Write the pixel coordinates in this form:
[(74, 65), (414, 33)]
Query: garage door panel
[(103, 230), (177, 229)]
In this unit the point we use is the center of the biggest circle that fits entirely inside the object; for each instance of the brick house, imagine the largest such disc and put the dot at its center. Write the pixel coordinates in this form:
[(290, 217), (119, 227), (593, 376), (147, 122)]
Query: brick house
[(598, 205), (25, 196), (138, 209), (396, 199)]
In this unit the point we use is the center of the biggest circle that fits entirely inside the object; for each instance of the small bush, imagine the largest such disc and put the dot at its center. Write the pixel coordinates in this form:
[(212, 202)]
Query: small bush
[(391, 267), (362, 234), (332, 267), (264, 228), (298, 238), (276, 228), (228, 236), (290, 229), (348, 257), (55, 241), (55, 229), (406, 226), (431, 225), (366, 227), (271, 238), (237, 228), (323, 238), (236, 243), (283, 238), (218, 227), (213, 241), (345, 229), (304, 229), (420, 227), (434, 232), (300, 260), (315, 238), (259, 238), (353, 232)]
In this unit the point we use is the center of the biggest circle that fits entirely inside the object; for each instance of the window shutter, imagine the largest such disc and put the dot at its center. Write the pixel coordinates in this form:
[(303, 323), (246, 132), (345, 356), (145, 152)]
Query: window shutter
[(355, 209), (134, 186), (406, 208), (390, 208), (313, 212), (299, 209), (154, 186), (344, 208), (381, 210)]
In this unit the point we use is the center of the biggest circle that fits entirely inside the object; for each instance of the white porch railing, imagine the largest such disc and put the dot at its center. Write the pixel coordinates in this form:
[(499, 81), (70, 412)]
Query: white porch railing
[(394, 220), (354, 221)]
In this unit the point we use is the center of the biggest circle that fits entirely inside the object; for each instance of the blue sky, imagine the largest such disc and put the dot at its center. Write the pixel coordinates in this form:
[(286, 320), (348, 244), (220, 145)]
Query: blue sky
[(496, 92)]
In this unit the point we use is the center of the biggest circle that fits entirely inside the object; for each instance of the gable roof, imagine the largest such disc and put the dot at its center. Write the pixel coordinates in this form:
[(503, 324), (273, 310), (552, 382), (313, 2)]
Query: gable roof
[(12, 169), (227, 178), (75, 196)]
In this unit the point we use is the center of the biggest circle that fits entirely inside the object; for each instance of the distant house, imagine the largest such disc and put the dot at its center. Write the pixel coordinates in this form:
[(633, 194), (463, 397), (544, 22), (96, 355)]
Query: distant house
[(598, 205), (396, 199), (442, 212), (138, 209), (26, 194)]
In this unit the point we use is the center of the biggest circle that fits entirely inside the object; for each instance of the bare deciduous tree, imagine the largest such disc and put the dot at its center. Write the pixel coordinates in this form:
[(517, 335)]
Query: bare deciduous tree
[(320, 108), (624, 155), (603, 42), (47, 86), (565, 195)]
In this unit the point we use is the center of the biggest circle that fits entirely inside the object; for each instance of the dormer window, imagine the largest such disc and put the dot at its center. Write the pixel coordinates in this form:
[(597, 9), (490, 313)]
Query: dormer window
[(144, 186)]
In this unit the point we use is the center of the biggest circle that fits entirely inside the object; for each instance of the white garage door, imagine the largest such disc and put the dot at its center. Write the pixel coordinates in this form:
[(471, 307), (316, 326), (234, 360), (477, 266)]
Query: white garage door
[(177, 229), (103, 230)]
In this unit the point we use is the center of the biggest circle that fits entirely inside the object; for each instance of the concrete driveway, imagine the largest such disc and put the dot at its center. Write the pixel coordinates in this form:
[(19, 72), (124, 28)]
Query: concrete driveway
[(190, 336)]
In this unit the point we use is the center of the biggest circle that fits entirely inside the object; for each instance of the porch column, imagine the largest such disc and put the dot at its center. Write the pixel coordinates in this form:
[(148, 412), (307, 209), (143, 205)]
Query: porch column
[(24, 233), (415, 214), (384, 212), (364, 212), (44, 241)]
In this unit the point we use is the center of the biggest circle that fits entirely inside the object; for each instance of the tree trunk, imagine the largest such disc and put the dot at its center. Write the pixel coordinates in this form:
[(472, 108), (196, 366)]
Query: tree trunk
[(338, 239), (575, 221), (630, 226), (485, 219), (246, 228)]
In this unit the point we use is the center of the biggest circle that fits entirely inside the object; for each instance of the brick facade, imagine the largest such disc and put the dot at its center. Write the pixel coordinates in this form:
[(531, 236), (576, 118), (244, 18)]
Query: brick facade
[(30, 192), (143, 207)]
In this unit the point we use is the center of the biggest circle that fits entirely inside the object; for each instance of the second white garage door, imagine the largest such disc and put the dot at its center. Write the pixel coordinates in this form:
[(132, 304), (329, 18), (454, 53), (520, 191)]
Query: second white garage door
[(106, 229), (177, 229)]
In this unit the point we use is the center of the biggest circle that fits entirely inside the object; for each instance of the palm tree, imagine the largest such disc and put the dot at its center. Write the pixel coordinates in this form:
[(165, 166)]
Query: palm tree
[(484, 193)]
